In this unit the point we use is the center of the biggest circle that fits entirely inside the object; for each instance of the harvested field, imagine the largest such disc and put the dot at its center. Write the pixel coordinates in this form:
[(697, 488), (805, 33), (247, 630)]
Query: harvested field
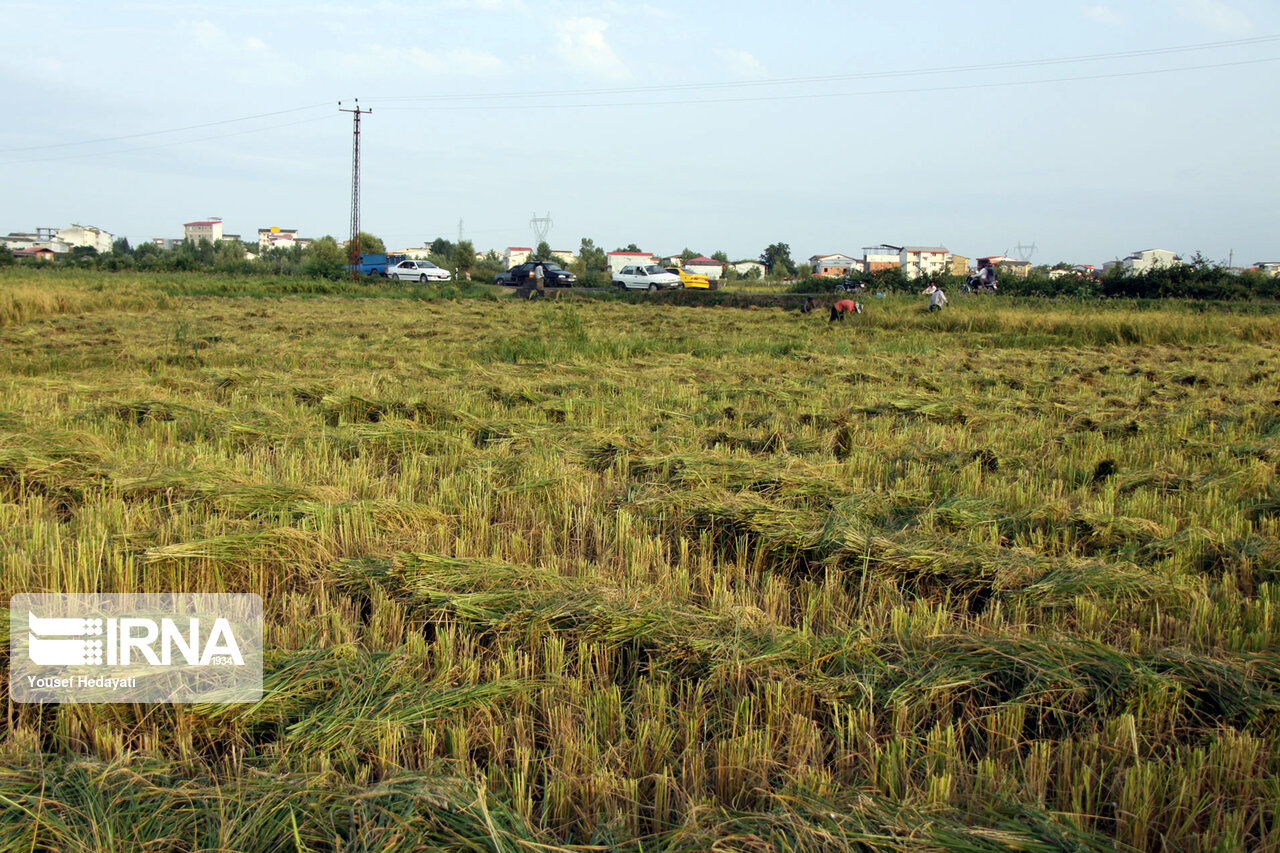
[(615, 574)]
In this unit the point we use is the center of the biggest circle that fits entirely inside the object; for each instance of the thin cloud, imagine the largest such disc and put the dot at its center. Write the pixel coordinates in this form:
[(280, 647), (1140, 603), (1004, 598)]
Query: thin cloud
[(458, 61), (740, 63), (1215, 15), (1105, 15), (581, 43)]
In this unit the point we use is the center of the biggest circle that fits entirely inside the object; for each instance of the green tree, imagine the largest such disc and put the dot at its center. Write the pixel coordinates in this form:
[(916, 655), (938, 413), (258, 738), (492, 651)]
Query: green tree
[(720, 256), (442, 247), (121, 246), (487, 267), (688, 254), (6, 257), (369, 244), (325, 259), (777, 260), (631, 247), (543, 252), (591, 265), (464, 258)]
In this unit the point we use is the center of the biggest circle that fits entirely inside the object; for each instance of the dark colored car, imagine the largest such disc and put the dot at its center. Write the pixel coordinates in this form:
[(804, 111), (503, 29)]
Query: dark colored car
[(554, 275)]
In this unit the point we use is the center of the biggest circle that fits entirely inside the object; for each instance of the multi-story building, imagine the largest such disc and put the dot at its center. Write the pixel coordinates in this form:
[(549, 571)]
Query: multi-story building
[(924, 260), (86, 235), (515, 255), (876, 258), (279, 238), (1150, 259), (959, 265), (204, 229)]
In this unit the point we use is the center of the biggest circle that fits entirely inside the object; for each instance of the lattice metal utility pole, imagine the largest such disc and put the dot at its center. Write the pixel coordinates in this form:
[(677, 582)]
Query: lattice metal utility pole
[(353, 248)]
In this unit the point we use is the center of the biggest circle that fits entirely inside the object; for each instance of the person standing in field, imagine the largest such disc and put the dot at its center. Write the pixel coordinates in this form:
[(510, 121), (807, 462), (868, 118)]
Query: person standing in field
[(844, 306), (540, 279)]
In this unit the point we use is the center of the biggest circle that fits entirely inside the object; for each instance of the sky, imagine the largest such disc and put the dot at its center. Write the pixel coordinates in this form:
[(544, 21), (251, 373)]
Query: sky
[(1091, 130)]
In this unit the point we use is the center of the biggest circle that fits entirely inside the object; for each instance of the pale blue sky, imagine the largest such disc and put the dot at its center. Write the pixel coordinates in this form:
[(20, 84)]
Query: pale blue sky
[(1157, 148)]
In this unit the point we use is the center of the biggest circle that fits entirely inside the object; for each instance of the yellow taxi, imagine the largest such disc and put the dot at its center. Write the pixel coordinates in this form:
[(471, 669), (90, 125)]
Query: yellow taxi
[(690, 279)]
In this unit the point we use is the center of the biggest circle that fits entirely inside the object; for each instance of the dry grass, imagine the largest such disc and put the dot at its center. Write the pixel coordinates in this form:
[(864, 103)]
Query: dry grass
[(595, 576)]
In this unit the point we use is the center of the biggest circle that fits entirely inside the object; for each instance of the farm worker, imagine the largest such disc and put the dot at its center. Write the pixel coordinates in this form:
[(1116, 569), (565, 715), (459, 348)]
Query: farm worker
[(809, 303), (844, 306), (539, 277), (929, 291), (936, 298)]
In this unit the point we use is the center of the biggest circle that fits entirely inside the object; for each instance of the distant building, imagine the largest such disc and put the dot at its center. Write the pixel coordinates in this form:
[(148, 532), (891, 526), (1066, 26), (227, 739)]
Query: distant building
[(959, 266), (1268, 267), (702, 265), (279, 238), (876, 258), (1022, 269), (924, 260), (60, 240), (833, 265), (515, 255), (564, 256), (167, 243), (1149, 259), (618, 260), (86, 235), (38, 254), (203, 229), (743, 268)]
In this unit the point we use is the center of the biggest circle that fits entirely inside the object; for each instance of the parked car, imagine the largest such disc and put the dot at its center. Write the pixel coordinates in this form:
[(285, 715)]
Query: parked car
[(645, 277), (422, 271), (690, 279), (553, 275)]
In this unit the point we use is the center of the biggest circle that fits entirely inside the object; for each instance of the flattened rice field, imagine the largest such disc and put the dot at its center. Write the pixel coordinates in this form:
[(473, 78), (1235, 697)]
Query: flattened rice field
[(623, 575)]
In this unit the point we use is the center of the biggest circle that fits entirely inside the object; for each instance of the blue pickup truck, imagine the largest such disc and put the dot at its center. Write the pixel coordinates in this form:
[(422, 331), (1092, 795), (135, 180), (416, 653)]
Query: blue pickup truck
[(375, 263)]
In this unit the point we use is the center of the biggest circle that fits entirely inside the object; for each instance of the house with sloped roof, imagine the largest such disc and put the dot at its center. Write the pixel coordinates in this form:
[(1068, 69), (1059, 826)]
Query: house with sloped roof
[(702, 265), (833, 265), (618, 260)]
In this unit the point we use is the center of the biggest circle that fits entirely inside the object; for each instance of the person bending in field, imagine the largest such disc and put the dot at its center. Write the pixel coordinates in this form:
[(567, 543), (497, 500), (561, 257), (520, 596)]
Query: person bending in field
[(937, 298), (844, 306), (809, 304)]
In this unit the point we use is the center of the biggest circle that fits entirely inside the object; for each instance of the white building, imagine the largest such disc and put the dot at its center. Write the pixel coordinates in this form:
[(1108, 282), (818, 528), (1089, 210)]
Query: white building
[(618, 260), (564, 256), (204, 229), (1149, 259), (516, 255), (832, 265), (702, 265), (743, 268), (86, 235), (280, 238), (924, 260)]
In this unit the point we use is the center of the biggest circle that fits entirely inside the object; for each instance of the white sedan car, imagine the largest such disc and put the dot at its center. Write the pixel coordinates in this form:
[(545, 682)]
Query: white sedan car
[(645, 277), (423, 271)]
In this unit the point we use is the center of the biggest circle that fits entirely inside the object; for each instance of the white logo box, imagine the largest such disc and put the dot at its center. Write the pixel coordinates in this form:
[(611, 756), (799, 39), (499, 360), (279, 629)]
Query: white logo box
[(135, 647)]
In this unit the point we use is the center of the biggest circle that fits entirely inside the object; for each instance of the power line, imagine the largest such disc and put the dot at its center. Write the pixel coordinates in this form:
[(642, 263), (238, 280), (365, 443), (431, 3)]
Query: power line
[(830, 78), (165, 144), (815, 95), (159, 132)]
